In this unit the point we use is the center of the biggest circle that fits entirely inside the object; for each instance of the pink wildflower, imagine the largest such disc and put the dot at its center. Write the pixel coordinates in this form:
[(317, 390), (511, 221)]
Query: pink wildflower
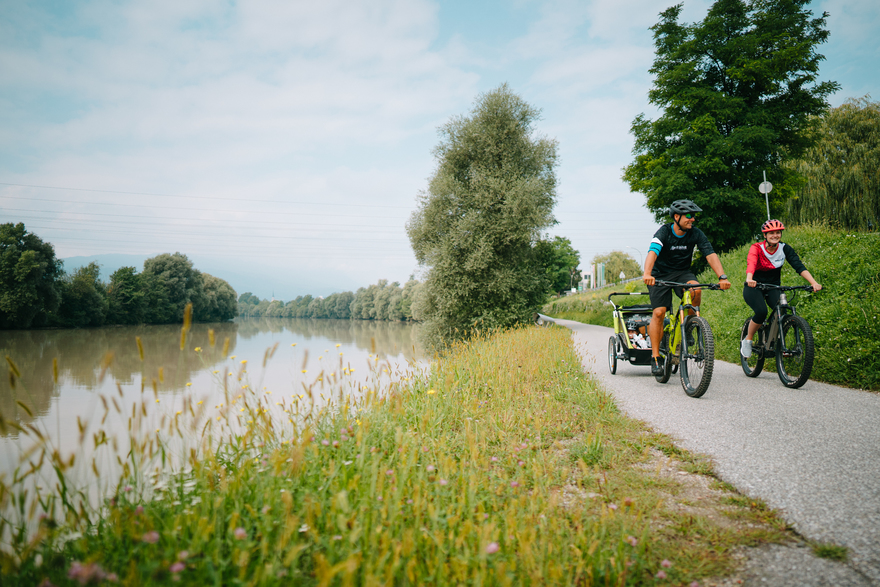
[(443, 482), (240, 533), (661, 574), (430, 468), (151, 537), (666, 563), (514, 483), (177, 567), (492, 548)]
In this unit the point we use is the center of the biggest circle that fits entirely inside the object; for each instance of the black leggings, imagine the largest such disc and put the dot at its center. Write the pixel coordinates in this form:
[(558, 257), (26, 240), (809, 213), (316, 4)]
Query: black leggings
[(755, 298)]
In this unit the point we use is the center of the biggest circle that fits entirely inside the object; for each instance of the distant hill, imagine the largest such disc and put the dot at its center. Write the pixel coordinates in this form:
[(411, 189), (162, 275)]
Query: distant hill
[(263, 281)]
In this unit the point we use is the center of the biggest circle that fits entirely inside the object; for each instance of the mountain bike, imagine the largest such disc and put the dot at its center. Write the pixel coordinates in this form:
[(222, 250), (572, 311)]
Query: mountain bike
[(784, 334), (688, 343)]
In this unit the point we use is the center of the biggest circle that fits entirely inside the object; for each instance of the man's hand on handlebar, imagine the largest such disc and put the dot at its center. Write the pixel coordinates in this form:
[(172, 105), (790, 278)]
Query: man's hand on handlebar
[(648, 279), (724, 283)]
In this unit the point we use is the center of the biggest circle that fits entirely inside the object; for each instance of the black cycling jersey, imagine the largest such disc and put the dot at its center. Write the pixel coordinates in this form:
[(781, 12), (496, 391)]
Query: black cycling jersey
[(674, 253)]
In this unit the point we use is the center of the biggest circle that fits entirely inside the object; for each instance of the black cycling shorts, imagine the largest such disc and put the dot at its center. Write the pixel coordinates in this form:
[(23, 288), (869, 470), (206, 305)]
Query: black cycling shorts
[(661, 295)]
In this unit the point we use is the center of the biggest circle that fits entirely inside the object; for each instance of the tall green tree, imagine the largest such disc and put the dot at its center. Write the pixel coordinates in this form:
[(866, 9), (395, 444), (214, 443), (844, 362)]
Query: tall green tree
[(171, 283), (617, 262), (560, 261), (83, 298), (736, 93), (126, 298), (476, 226), (29, 275), (220, 304), (841, 178)]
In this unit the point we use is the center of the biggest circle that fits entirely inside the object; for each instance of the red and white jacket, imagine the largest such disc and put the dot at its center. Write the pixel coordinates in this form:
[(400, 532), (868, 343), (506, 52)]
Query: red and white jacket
[(767, 268)]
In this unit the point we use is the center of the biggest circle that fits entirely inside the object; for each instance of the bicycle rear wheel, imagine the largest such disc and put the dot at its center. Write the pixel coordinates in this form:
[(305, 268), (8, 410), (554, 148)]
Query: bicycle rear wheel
[(667, 359), (612, 354), (698, 358), (794, 357), (753, 366)]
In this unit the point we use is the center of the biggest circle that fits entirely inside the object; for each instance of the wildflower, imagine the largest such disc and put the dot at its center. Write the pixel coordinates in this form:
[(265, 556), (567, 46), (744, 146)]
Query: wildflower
[(244, 361), (628, 502), (521, 463), (632, 540), (666, 563), (305, 370), (695, 584), (200, 402), (304, 528), (182, 555), (89, 573), (189, 383), (409, 501), (139, 510), (430, 468), (240, 533), (198, 349), (431, 391), (337, 537), (151, 537), (492, 548), (444, 482), (389, 472), (335, 444), (612, 507), (177, 567), (232, 357), (661, 574), (294, 344), (514, 483), (338, 345), (128, 488), (325, 442), (494, 459)]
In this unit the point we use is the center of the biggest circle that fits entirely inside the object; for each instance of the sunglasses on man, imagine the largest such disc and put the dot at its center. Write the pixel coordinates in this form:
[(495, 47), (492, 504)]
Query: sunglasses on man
[(690, 216)]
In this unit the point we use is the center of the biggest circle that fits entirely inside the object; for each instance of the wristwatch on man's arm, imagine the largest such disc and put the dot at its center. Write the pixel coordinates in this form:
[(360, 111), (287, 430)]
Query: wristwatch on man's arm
[(722, 277)]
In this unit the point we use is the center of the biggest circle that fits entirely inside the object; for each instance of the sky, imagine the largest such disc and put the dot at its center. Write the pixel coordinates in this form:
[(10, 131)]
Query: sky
[(282, 145)]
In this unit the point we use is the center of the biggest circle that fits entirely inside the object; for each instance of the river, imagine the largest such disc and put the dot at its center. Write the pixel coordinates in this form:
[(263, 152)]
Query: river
[(100, 365)]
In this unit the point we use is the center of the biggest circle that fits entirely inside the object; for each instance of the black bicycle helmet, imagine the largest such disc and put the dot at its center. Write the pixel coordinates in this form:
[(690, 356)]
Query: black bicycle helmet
[(683, 207)]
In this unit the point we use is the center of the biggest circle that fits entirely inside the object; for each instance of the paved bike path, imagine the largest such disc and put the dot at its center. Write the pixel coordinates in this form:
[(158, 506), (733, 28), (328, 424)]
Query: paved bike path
[(813, 454)]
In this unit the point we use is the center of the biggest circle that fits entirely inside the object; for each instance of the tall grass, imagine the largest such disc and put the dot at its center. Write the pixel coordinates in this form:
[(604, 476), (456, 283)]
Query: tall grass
[(505, 465)]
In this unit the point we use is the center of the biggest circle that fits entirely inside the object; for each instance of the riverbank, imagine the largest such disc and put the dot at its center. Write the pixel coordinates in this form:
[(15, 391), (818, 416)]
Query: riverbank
[(504, 465)]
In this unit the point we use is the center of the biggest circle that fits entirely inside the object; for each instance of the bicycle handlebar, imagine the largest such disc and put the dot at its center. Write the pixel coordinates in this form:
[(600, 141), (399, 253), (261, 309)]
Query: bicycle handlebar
[(783, 287), (687, 285)]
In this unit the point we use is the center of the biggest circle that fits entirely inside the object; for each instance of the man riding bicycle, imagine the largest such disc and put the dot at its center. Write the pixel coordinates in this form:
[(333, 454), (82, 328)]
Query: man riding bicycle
[(669, 259)]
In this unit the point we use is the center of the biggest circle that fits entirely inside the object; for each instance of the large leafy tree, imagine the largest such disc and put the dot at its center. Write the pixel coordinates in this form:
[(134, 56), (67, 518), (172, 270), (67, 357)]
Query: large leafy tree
[(171, 283), (736, 93), (560, 261), (841, 179), (29, 276), (83, 298), (220, 304), (476, 226), (617, 262), (126, 297)]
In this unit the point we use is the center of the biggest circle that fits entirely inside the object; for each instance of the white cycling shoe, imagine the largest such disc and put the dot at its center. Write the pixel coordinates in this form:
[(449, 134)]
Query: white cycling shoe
[(745, 348)]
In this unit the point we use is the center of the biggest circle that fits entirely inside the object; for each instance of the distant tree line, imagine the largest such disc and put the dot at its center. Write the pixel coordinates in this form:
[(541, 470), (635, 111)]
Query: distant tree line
[(380, 301), (35, 290)]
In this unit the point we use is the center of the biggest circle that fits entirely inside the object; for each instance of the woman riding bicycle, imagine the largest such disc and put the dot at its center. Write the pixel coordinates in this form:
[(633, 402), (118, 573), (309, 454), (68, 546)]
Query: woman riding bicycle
[(764, 265)]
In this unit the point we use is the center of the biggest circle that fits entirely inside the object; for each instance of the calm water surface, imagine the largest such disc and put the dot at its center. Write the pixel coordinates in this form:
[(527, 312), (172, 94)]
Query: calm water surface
[(106, 362)]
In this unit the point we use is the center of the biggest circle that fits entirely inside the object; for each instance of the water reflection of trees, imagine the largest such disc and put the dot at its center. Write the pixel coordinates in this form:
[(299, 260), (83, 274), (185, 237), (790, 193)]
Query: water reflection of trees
[(380, 337), (83, 353)]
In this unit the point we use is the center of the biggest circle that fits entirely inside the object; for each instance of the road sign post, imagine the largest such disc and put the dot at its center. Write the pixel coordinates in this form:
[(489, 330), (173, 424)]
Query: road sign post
[(765, 188)]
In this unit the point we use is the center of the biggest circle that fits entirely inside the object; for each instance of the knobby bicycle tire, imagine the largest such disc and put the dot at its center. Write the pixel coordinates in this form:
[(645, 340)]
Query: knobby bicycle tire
[(612, 354), (667, 359), (696, 365), (753, 366), (795, 363)]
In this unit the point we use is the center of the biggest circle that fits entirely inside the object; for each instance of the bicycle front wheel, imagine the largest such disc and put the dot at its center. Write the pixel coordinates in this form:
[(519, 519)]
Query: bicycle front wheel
[(667, 359), (794, 355), (697, 356), (753, 366)]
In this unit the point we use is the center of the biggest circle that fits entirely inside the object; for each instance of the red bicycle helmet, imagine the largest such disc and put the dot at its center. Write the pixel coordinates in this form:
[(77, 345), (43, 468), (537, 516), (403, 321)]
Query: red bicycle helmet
[(772, 225)]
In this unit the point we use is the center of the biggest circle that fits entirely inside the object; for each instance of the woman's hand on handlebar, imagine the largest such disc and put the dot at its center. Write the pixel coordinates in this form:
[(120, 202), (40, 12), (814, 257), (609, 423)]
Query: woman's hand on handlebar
[(751, 283), (648, 279)]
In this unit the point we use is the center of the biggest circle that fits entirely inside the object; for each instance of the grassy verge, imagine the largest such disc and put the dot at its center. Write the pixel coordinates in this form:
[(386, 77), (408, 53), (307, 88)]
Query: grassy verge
[(844, 316), (503, 466)]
